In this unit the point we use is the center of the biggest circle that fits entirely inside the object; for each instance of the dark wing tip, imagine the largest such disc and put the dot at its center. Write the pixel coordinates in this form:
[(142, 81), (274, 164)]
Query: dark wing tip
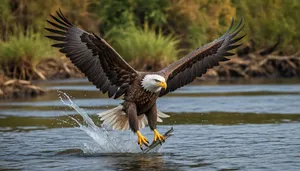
[(57, 38), (61, 21), (55, 31), (234, 46), (231, 24), (229, 32), (59, 45), (238, 26), (228, 54), (237, 39), (62, 17), (223, 59)]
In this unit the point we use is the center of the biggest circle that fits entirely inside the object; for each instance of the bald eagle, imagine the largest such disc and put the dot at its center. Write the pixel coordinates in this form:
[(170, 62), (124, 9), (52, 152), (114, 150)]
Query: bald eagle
[(111, 74)]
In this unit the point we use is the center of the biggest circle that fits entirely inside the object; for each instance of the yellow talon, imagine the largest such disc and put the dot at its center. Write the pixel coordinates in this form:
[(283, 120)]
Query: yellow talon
[(142, 140), (158, 136)]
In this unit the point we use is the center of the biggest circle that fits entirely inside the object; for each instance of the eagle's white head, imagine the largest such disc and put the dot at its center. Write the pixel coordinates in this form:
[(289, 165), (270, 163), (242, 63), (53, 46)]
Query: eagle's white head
[(154, 83)]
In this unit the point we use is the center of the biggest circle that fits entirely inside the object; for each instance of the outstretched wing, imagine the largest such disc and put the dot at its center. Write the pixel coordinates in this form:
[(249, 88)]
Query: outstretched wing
[(102, 65), (200, 60)]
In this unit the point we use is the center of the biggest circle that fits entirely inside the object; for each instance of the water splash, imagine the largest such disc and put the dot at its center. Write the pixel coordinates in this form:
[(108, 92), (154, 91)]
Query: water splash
[(104, 142)]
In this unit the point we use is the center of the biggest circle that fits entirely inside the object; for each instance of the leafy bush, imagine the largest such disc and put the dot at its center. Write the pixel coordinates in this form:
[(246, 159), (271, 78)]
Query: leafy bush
[(122, 14), (268, 19)]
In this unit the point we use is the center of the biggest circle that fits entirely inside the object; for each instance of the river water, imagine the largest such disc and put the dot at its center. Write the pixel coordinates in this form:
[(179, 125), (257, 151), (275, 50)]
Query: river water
[(236, 125)]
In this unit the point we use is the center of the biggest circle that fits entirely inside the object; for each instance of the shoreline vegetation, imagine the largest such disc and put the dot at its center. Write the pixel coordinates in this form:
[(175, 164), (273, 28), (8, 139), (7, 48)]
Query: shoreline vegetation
[(250, 66), (149, 36)]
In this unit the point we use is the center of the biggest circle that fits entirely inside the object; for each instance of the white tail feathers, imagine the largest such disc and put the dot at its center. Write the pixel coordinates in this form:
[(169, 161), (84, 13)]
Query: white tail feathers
[(161, 115), (117, 119)]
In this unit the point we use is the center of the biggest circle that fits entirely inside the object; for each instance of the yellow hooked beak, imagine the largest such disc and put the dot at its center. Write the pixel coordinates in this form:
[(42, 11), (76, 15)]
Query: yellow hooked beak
[(162, 84)]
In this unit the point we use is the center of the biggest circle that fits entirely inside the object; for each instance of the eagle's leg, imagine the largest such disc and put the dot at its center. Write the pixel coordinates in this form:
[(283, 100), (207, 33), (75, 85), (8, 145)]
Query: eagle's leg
[(152, 120), (134, 125)]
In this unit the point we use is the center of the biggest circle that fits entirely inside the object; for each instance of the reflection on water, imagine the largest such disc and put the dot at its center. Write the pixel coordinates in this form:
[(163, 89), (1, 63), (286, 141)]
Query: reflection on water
[(232, 125), (143, 162), (129, 161)]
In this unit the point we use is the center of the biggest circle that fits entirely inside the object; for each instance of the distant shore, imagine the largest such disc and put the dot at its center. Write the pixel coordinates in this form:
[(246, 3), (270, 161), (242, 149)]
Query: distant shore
[(244, 67)]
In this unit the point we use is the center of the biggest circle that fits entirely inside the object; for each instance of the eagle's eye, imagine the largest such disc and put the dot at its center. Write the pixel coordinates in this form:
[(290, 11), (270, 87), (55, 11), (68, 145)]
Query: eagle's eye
[(156, 80)]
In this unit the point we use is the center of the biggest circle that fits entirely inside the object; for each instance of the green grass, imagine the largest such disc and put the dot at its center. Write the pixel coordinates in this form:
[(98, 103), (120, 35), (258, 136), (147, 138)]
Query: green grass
[(31, 47), (20, 54), (144, 44)]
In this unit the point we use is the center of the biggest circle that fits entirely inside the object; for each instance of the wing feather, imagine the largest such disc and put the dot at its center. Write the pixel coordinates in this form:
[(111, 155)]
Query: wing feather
[(102, 65), (197, 62)]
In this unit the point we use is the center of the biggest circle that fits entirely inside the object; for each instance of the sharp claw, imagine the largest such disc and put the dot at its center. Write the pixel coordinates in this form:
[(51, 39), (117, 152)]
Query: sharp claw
[(158, 137), (142, 140)]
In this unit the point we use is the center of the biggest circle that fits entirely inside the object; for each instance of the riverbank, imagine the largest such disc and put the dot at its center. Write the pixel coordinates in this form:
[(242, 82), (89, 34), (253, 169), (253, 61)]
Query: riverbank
[(13, 88), (253, 65), (257, 65), (47, 69)]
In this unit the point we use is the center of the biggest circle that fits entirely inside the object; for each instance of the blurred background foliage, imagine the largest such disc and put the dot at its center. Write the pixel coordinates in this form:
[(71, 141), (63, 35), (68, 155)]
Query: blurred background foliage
[(144, 30)]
